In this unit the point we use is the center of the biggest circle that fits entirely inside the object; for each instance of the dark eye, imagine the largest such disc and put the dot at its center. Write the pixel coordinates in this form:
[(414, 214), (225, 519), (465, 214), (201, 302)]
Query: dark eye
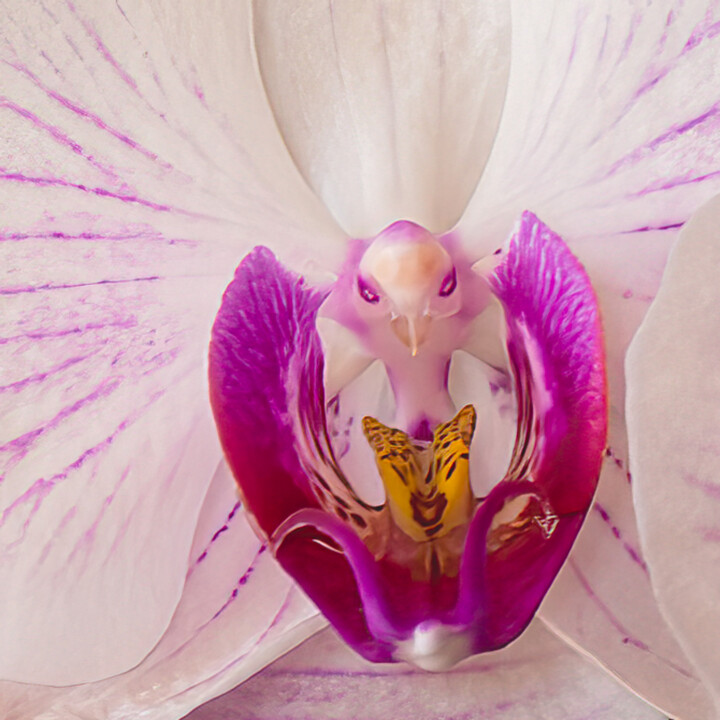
[(367, 293), (448, 284)]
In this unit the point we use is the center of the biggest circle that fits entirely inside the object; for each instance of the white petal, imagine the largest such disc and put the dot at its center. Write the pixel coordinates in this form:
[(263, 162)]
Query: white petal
[(389, 109), (535, 677), (610, 120), (608, 135), (238, 612), (603, 600), (125, 204), (673, 418)]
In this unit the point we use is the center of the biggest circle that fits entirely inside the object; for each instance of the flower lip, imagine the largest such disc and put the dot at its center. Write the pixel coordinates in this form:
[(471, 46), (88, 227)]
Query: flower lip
[(352, 559)]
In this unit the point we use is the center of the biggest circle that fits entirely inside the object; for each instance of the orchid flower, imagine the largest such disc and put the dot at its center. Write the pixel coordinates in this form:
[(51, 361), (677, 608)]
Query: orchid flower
[(149, 146)]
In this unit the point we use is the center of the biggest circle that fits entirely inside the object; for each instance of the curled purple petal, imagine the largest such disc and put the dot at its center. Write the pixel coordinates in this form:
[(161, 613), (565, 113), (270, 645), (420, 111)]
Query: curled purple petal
[(385, 594), (264, 328)]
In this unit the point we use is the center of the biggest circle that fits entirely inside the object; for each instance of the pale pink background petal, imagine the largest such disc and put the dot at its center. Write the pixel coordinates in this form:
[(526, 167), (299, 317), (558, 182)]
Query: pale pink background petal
[(238, 612), (536, 677), (126, 200), (674, 424), (389, 108)]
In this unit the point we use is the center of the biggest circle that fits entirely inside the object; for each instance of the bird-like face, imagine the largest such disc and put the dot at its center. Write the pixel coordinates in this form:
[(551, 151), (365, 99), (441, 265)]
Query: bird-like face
[(407, 275)]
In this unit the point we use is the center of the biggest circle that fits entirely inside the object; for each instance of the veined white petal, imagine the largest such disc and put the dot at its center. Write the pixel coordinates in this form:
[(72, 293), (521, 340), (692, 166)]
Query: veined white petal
[(608, 133), (238, 612), (389, 109), (673, 420), (535, 677), (126, 200), (610, 123)]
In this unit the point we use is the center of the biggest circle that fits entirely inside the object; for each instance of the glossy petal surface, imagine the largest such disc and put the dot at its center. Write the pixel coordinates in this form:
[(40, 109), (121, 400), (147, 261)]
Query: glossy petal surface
[(673, 420), (610, 137), (389, 109), (537, 676), (126, 199)]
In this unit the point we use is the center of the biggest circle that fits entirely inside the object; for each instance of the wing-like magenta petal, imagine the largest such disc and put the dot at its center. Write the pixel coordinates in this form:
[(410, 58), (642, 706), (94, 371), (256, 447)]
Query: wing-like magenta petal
[(264, 353), (556, 354)]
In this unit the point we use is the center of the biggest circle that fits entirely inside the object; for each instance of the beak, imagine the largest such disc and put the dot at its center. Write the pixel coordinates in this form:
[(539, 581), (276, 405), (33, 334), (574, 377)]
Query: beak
[(412, 331)]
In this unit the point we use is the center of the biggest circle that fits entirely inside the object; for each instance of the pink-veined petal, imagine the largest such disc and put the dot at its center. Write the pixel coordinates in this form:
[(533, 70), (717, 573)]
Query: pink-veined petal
[(389, 109), (126, 200), (536, 677), (610, 122), (238, 612), (609, 134), (673, 421)]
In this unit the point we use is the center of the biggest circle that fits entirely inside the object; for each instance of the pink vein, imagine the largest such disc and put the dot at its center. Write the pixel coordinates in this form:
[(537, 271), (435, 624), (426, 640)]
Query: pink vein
[(619, 627)]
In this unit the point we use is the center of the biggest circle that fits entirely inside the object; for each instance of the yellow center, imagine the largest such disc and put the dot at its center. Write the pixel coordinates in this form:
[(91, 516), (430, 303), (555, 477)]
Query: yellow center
[(427, 484)]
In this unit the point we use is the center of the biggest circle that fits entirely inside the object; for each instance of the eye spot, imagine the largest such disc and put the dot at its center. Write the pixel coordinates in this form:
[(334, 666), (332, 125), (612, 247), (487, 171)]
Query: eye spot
[(448, 284), (367, 293)]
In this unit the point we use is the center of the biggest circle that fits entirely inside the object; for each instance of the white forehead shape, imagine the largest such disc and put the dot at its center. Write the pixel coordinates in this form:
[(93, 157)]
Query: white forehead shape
[(407, 262)]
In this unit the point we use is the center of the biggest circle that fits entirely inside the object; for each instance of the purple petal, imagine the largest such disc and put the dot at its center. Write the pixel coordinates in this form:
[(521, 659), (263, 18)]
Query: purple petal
[(555, 347), (673, 427), (389, 110), (264, 354)]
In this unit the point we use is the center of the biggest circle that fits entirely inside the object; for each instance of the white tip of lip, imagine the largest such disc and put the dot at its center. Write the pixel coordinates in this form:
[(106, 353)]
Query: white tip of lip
[(435, 647)]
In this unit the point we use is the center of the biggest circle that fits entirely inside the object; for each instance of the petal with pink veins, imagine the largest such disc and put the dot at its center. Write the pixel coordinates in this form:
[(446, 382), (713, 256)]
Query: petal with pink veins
[(219, 635), (609, 133), (673, 421), (126, 198)]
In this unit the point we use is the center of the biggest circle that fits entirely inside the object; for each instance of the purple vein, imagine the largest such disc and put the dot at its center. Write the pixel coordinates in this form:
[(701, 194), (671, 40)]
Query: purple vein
[(710, 489), (273, 623), (43, 487), (627, 639), (78, 330), (88, 536), (244, 578), (105, 52), (57, 135), (148, 236), (67, 286), (88, 115), (670, 135), (629, 549), (216, 535), (21, 444), (40, 377), (102, 192)]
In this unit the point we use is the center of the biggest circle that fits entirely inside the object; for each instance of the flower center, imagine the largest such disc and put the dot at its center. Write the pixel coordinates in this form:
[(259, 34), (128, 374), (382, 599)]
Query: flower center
[(427, 484)]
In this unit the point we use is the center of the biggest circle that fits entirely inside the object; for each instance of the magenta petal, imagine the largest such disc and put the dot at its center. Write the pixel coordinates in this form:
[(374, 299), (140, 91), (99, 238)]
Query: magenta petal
[(556, 354), (266, 388), (265, 328), (345, 583), (555, 345)]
